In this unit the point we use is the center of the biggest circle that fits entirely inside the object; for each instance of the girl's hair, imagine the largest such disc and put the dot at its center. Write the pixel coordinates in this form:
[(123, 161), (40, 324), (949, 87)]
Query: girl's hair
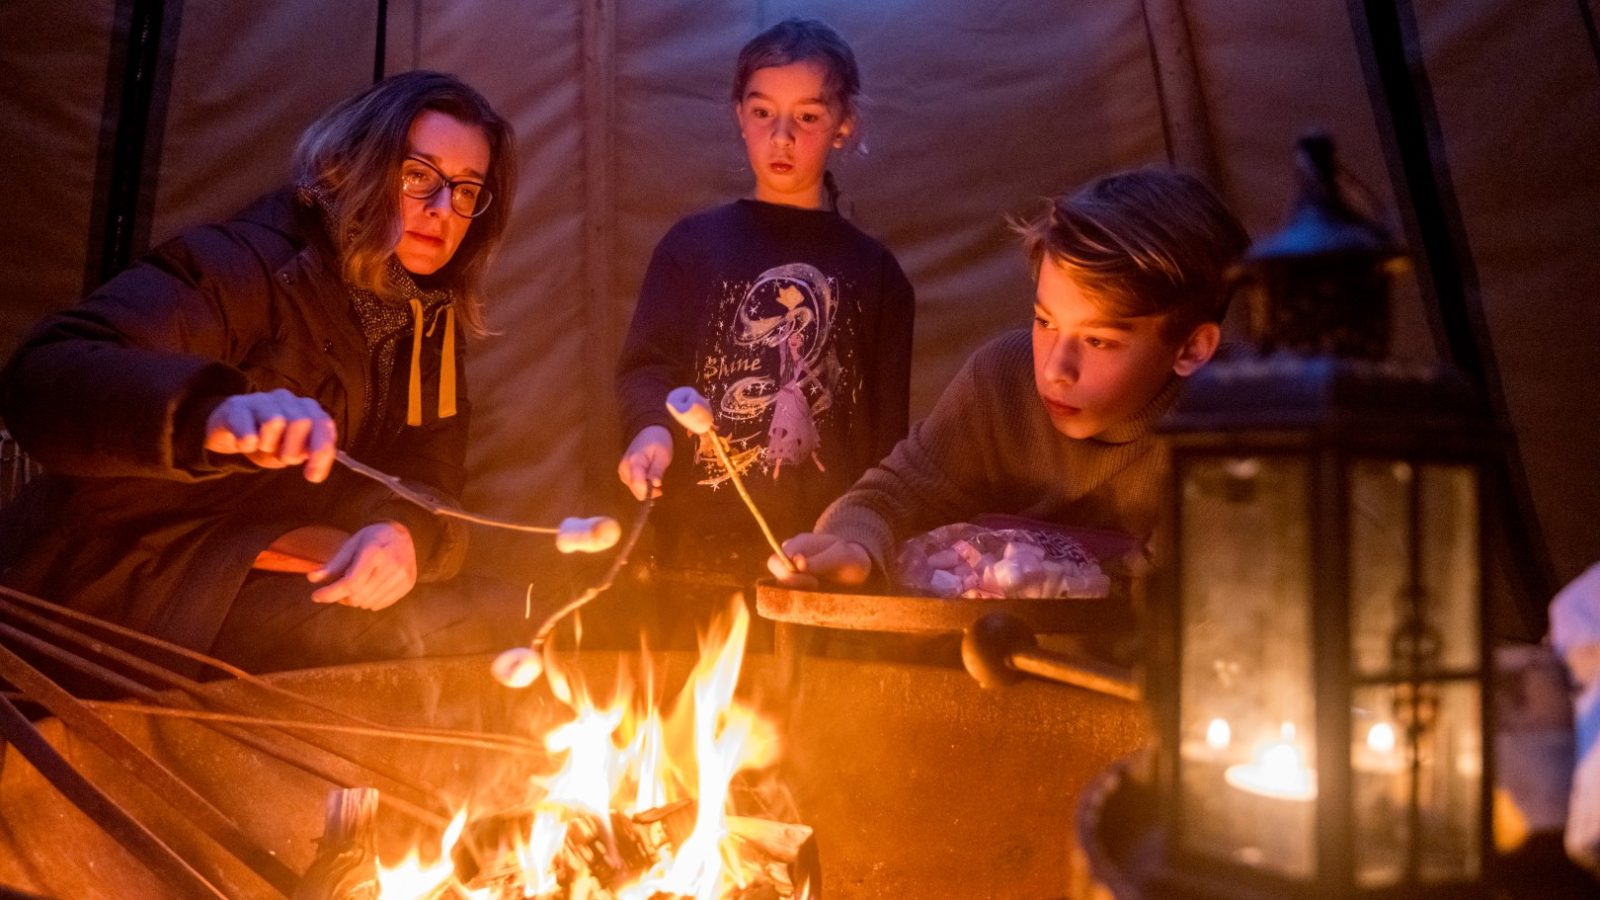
[(352, 156), (807, 40), (1143, 243)]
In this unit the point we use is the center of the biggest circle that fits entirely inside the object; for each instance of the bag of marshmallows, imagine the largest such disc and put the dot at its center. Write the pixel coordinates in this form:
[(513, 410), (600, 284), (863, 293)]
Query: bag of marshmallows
[(1007, 557)]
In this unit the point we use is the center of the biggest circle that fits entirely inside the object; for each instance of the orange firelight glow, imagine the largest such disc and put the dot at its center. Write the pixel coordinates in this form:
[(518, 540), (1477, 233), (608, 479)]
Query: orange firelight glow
[(626, 757)]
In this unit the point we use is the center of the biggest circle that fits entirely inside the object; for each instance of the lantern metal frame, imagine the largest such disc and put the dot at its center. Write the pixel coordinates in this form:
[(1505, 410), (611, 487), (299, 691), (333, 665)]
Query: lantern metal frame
[(1329, 412), (1321, 391)]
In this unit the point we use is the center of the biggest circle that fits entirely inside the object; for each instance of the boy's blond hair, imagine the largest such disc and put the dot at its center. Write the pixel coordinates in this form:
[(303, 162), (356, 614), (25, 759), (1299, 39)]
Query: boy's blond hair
[(1145, 243)]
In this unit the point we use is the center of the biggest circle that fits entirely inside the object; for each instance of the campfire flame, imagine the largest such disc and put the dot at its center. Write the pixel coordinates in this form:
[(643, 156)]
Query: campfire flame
[(622, 758)]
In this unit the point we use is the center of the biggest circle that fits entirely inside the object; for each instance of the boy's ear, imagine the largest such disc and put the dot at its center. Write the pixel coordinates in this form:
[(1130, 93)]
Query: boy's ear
[(842, 133), (1198, 349)]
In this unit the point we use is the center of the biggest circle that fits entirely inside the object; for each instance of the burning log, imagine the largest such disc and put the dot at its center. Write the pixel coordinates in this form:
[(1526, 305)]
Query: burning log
[(599, 858)]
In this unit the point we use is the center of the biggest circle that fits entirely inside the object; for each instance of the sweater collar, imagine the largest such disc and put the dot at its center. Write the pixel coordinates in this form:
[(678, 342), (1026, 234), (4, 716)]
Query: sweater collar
[(1139, 424)]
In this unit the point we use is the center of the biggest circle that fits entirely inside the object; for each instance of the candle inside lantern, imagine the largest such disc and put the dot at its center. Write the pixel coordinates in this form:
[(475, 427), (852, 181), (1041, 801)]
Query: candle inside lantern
[(1276, 769), (1218, 734), (1378, 754)]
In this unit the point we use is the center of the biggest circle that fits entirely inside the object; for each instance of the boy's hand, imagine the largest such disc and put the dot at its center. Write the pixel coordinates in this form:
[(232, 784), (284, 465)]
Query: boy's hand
[(275, 429), (821, 557), (378, 565), (645, 461)]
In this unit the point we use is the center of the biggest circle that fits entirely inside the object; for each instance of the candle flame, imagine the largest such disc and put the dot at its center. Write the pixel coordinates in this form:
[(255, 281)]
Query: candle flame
[(1276, 769)]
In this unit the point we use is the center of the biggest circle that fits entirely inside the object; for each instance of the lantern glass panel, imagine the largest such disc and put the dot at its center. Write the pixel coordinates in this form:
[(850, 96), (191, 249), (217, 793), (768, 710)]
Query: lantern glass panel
[(1246, 784), (1385, 545), (1417, 788)]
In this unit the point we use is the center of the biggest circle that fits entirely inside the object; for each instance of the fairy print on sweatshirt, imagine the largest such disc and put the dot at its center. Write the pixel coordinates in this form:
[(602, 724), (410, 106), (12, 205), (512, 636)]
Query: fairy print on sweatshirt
[(796, 325), (772, 370)]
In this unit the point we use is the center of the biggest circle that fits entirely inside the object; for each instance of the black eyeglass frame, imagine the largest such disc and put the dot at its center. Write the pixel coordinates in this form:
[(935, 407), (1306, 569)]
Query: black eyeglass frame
[(481, 204)]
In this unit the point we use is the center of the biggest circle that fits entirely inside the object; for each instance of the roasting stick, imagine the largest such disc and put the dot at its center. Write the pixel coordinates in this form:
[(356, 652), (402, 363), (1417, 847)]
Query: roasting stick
[(472, 740), (693, 412), (161, 781), (522, 666), (590, 535), (337, 767), (138, 840)]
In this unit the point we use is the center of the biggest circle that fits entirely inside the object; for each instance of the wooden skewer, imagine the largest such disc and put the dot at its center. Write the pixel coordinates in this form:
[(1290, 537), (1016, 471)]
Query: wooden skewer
[(430, 504), (693, 412), (720, 446)]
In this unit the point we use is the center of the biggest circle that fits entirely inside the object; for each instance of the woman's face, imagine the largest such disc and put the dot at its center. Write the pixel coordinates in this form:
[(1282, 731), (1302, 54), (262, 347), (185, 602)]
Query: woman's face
[(430, 231)]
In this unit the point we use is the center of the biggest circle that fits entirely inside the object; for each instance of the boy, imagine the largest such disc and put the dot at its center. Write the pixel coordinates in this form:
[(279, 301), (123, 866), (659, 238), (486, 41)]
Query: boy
[(1130, 273)]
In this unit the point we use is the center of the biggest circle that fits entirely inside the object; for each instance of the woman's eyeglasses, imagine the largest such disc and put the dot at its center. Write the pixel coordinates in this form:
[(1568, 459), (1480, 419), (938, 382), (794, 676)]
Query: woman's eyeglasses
[(421, 179)]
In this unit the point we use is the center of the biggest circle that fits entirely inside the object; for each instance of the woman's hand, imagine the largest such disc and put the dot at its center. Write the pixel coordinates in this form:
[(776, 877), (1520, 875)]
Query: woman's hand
[(377, 565), (275, 429), (821, 557), (645, 461)]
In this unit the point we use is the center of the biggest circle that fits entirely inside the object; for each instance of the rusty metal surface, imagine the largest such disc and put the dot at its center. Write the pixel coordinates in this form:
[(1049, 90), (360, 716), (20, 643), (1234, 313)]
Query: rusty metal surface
[(936, 615), (918, 782)]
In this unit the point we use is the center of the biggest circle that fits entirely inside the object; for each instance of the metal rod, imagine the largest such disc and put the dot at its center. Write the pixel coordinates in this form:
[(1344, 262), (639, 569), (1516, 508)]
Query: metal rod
[(337, 769), (469, 740), (177, 793), (101, 809), (420, 796)]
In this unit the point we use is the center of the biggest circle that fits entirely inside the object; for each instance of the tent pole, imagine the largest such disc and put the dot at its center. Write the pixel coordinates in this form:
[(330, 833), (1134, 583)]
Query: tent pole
[(1388, 41), (138, 81), (380, 43)]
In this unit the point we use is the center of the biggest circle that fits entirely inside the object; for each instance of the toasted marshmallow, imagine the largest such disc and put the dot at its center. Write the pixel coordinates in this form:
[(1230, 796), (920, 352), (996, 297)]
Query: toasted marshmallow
[(590, 535), (692, 410)]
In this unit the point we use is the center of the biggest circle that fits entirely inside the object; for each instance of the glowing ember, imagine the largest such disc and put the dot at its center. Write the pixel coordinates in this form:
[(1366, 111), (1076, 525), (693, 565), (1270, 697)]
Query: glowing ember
[(640, 807)]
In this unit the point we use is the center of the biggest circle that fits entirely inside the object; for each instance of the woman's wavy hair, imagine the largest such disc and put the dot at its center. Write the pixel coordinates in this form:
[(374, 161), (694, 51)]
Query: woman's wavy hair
[(353, 153), (1142, 243)]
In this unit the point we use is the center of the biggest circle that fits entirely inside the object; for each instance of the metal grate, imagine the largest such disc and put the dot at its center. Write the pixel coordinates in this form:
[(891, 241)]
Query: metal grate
[(15, 468)]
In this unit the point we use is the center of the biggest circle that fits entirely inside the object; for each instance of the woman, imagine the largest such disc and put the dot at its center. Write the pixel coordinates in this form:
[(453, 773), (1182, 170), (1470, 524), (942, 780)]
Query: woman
[(188, 412)]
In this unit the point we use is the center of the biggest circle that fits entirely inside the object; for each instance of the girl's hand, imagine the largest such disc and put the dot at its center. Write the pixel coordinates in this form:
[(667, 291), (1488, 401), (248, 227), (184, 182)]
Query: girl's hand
[(821, 557), (377, 565), (275, 429), (645, 461)]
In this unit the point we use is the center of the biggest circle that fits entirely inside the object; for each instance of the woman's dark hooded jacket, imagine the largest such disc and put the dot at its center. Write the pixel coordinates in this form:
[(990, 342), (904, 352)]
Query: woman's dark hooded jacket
[(133, 520)]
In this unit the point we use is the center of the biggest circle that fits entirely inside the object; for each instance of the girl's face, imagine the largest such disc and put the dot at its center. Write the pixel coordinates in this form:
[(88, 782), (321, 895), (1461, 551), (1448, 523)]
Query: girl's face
[(789, 128), (430, 231)]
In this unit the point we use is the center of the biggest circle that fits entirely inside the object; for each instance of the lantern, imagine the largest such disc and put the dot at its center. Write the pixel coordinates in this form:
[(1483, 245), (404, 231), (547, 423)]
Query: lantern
[(1322, 703)]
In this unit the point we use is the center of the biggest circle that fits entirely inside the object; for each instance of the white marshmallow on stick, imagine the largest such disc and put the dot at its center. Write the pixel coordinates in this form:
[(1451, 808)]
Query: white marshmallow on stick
[(693, 411), (591, 535), (518, 667)]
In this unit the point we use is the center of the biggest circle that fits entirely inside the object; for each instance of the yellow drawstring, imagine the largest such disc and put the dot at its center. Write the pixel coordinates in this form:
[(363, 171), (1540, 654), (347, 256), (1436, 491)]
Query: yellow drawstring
[(447, 365), (414, 396)]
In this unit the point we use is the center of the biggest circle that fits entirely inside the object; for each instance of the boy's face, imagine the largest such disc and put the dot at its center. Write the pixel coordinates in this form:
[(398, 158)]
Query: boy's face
[(1093, 371), (789, 128)]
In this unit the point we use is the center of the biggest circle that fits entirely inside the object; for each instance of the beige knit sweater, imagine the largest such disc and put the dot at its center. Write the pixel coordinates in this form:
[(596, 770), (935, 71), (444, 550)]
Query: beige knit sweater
[(988, 447)]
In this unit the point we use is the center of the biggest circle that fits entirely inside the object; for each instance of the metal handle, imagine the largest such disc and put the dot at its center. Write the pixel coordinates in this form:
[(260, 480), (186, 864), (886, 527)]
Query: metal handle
[(999, 649)]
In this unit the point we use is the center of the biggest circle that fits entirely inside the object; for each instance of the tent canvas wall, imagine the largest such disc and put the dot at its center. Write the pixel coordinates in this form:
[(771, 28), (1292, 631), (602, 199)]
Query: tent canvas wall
[(977, 111)]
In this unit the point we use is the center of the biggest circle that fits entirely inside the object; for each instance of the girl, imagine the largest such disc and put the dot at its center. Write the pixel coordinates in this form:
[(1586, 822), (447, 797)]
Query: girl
[(187, 413), (790, 320)]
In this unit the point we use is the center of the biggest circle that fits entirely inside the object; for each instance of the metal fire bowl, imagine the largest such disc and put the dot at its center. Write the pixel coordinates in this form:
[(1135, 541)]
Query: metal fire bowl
[(937, 615), (918, 782)]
